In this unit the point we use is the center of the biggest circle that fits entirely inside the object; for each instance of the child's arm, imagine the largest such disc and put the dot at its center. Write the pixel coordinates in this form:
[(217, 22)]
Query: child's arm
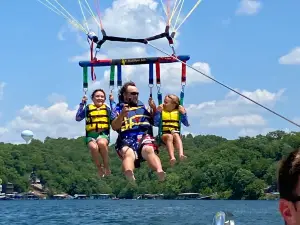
[(157, 116), (112, 103), (184, 117)]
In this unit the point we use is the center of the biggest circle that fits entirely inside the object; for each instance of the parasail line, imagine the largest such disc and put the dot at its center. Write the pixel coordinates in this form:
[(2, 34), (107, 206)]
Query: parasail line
[(195, 6), (83, 15), (224, 85)]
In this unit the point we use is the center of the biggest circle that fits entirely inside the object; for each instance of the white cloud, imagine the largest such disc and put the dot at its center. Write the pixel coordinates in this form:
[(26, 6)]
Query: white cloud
[(57, 120), (60, 34), (3, 131), (249, 7), (254, 132), (129, 18), (139, 19), (234, 110), (263, 131), (260, 96), (2, 86), (170, 75), (243, 120), (291, 58), (171, 78)]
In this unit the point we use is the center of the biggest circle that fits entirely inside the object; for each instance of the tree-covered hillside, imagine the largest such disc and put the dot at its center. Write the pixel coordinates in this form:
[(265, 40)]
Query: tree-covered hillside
[(235, 169)]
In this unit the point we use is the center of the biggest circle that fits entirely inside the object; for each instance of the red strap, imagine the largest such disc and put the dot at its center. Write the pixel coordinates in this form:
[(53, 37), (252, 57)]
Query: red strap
[(157, 71), (183, 72)]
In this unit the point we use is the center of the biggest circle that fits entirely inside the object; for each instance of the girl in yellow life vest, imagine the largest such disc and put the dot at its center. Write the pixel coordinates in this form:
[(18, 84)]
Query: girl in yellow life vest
[(98, 116), (168, 114)]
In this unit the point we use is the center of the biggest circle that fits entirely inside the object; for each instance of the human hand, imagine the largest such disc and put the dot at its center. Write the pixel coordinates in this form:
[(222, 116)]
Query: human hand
[(111, 97), (181, 109), (160, 108), (84, 99), (125, 110), (151, 103)]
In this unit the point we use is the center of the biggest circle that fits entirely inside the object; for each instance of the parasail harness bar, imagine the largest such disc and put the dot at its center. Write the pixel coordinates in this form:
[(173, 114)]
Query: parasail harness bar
[(166, 34)]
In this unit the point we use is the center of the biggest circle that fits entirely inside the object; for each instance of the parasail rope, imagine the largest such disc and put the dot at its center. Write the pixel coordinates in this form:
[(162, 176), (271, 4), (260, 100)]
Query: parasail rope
[(195, 6), (72, 20), (224, 85), (83, 15)]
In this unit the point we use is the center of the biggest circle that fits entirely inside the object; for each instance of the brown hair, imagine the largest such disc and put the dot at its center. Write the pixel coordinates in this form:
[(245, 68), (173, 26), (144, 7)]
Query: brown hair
[(124, 89), (175, 100), (94, 92), (288, 176)]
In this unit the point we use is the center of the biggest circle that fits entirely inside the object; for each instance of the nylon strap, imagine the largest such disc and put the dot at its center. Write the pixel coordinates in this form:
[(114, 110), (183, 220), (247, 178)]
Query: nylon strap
[(150, 78), (85, 78), (157, 70), (183, 82), (119, 75), (85, 88), (159, 98), (112, 76), (183, 72)]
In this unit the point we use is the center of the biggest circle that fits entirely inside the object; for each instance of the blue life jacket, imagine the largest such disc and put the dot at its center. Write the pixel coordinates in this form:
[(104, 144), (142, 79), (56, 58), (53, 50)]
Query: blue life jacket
[(137, 121)]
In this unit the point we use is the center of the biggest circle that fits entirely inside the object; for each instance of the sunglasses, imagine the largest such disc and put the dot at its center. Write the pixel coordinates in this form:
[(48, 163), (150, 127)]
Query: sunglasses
[(133, 93)]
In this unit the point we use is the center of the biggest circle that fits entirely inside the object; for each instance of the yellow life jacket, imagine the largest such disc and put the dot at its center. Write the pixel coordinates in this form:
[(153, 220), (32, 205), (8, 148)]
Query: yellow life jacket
[(97, 118), (137, 118), (170, 120)]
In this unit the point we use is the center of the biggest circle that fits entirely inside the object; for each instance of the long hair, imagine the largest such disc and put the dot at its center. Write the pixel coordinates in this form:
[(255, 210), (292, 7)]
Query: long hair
[(124, 89)]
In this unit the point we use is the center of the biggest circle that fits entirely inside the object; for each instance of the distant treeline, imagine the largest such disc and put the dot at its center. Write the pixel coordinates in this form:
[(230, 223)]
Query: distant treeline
[(229, 169)]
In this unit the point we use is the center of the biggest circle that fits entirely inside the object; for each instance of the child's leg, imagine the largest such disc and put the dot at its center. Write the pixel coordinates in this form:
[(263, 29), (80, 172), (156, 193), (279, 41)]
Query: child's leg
[(179, 146), (95, 156), (168, 140), (103, 149)]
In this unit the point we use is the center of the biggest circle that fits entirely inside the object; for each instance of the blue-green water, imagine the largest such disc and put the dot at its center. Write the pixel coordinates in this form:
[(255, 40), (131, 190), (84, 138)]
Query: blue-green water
[(137, 212)]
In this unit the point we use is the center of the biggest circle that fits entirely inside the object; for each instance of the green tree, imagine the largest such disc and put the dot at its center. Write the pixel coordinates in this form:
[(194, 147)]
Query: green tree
[(228, 169)]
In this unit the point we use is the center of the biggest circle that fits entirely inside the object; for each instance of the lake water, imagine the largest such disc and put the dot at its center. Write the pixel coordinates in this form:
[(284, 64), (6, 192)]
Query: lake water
[(144, 212)]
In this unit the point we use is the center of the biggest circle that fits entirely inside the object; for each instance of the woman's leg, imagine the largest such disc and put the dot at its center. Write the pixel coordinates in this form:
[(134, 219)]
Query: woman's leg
[(92, 145), (103, 149)]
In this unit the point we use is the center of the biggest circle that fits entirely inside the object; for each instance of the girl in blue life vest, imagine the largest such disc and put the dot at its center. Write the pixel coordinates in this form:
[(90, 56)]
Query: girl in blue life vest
[(98, 117), (168, 114)]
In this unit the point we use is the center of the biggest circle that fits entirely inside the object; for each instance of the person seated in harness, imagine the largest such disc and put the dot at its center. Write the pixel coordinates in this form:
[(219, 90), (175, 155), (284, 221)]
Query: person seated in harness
[(135, 142), (98, 117), (171, 114)]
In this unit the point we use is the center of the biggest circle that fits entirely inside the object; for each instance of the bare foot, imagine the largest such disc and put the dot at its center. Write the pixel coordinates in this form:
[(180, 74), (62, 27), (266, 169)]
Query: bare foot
[(107, 171), (172, 161), (161, 175), (100, 171), (182, 157), (129, 175)]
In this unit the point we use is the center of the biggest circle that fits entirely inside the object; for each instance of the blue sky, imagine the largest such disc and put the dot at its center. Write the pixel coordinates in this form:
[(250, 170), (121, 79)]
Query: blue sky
[(249, 45)]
